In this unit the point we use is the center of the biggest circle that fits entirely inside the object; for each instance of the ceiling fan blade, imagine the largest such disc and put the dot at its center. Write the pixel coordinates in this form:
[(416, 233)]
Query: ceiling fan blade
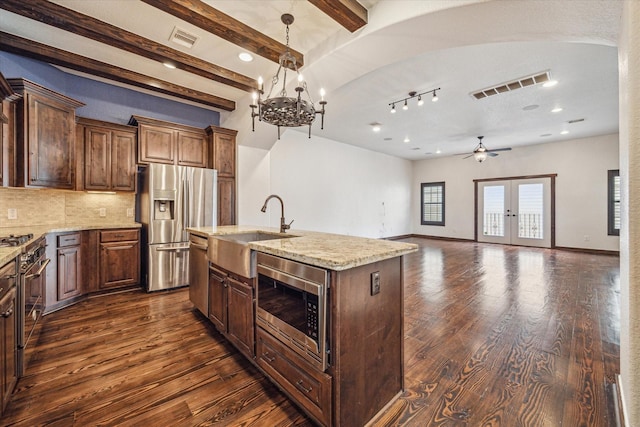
[(501, 149), (489, 153), (466, 157)]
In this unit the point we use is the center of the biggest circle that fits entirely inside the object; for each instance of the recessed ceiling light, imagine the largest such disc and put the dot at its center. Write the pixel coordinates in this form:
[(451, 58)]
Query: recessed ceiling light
[(438, 151), (245, 57), (375, 126), (530, 107), (550, 83), (169, 65), (406, 140), (556, 110), (564, 132)]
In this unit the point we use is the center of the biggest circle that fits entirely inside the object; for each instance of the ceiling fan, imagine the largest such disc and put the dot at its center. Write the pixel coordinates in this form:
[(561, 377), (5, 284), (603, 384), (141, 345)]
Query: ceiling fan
[(481, 152)]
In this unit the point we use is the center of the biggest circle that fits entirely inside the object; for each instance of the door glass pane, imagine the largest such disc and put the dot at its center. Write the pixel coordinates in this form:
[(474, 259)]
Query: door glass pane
[(493, 214), (530, 211)]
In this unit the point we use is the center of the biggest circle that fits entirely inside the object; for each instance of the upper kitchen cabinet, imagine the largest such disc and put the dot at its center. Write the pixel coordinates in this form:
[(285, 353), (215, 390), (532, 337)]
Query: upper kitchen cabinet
[(223, 158), (6, 128), (170, 143), (223, 150), (109, 155), (45, 136)]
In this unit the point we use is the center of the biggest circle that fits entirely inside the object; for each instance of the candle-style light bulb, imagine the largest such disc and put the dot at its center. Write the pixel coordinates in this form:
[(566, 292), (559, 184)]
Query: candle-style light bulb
[(300, 78), (260, 83), (254, 95), (322, 94)]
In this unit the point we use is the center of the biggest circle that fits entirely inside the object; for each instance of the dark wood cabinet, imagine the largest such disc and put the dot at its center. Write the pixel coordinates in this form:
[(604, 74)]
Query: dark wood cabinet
[(231, 309), (218, 299), (69, 266), (7, 118), (109, 155), (170, 143), (119, 258), (226, 201), (223, 158), (45, 137)]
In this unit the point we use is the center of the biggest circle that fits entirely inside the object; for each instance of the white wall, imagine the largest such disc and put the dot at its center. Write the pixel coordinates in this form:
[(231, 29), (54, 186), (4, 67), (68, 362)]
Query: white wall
[(326, 186), (629, 78), (253, 185), (581, 188)]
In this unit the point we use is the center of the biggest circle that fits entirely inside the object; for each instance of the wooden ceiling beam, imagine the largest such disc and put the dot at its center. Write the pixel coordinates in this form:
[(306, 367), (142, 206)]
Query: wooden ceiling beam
[(86, 26), (348, 13), (32, 49), (224, 26)]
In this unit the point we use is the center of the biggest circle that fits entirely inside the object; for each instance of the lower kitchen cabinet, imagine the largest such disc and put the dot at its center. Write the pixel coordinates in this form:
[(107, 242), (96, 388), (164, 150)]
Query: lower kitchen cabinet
[(69, 256), (231, 308), (119, 258), (89, 262), (8, 337)]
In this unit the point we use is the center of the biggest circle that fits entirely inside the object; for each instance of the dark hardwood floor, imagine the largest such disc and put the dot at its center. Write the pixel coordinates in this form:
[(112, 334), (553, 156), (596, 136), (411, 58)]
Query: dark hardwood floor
[(494, 336)]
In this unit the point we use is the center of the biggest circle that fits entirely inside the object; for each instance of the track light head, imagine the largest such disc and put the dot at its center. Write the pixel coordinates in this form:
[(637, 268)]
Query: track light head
[(405, 106), (435, 97)]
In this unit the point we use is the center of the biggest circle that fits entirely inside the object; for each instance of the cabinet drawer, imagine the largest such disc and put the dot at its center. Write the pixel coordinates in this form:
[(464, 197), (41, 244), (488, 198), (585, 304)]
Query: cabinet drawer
[(118, 235), (68, 240), (305, 384)]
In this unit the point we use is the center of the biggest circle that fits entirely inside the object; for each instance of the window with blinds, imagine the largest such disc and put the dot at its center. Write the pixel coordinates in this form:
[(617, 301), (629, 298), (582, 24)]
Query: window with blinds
[(432, 203), (613, 217)]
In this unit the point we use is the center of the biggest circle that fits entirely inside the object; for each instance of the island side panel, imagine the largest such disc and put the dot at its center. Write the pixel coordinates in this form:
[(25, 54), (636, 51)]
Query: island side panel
[(367, 340)]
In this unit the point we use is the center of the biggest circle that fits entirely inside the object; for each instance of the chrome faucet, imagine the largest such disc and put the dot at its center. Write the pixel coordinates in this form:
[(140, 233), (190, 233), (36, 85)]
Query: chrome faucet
[(283, 225)]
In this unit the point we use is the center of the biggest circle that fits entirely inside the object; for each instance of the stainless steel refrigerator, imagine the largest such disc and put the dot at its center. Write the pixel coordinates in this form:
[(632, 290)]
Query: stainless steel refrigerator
[(172, 198)]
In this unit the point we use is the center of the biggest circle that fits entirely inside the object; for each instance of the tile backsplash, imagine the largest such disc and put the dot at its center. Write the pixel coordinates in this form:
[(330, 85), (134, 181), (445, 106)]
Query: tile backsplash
[(63, 207)]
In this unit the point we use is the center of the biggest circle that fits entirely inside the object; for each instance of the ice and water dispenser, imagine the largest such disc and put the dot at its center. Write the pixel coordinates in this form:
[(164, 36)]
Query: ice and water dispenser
[(164, 205)]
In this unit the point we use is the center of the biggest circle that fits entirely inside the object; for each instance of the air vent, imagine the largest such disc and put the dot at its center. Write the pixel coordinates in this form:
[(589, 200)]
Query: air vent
[(512, 85), (183, 38), (575, 121)]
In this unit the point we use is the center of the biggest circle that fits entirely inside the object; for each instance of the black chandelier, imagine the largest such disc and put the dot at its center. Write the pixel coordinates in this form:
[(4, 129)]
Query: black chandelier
[(282, 110)]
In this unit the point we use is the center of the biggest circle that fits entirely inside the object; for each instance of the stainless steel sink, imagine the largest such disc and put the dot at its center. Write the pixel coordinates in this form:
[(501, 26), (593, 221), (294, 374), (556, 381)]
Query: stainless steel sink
[(232, 252)]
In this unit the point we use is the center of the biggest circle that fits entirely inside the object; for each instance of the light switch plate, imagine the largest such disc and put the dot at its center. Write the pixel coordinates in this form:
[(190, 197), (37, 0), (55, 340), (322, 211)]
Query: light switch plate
[(375, 283), (12, 213), (103, 211), (130, 212)]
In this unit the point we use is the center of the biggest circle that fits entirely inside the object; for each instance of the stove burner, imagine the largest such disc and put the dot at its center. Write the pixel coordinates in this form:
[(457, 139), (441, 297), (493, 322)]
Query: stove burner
[(12, 240)]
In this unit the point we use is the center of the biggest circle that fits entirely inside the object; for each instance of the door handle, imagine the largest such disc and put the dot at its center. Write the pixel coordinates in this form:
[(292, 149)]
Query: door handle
[(42, 267)]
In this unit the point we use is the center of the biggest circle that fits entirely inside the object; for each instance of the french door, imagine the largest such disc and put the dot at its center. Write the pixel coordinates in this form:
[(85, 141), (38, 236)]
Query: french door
[(516, 212)]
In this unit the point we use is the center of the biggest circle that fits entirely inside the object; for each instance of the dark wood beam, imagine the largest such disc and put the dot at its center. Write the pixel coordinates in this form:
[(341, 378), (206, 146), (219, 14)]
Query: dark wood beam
[(39, 51), (224, 26), (348, 13), (86, 26)]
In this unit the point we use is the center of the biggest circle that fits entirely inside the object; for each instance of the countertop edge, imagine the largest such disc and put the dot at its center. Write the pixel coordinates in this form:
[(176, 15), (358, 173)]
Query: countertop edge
[(8, 254), (306, 238)]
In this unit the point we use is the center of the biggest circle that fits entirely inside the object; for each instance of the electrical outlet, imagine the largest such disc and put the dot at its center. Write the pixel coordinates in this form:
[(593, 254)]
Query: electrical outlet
[(12, 213), (102, 211), (375, 283), (130, 212), (586, 238)]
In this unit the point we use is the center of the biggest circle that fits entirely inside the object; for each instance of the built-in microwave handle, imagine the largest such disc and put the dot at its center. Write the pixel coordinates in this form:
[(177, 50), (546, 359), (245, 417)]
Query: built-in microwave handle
[(293, 281), (39, 272)]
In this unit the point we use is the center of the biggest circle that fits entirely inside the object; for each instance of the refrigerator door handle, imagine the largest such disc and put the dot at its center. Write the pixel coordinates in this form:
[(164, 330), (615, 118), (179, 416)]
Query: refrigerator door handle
[(185, 203), (173, 249)]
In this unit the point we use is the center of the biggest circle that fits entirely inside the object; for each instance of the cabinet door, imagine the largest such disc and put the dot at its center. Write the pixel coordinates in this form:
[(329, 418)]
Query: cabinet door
[(51, 143), (119, 264), (123, 161), (192, 149), (218, 299), (69, 273), (224, 156), (156, 145), (97, 159), (240, 318), (226, 201)]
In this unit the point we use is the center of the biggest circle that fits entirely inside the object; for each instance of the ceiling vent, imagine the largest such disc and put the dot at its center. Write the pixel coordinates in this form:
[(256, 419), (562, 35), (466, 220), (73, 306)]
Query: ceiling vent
[(183, 38), (531, 80), (575, 121)]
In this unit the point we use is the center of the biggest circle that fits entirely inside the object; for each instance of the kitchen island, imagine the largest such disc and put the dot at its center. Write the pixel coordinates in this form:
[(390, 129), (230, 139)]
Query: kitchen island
[(359, 370)]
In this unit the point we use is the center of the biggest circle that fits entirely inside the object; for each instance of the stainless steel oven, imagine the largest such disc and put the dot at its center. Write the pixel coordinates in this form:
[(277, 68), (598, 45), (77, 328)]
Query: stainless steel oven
[(292, 306), (33, 263)]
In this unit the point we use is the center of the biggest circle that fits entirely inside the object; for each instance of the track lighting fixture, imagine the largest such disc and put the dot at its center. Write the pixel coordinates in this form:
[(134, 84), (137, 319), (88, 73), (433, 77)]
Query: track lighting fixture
[(412, 95)]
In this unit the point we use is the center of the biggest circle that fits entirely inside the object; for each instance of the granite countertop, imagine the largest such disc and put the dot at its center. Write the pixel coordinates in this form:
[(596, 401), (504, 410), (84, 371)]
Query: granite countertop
[(332, 251), (8, 254)]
